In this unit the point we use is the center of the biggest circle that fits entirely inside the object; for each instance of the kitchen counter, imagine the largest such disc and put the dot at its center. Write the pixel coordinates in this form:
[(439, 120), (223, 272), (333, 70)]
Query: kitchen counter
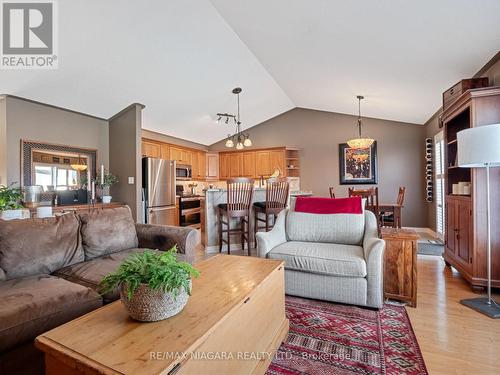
[(213, 197)]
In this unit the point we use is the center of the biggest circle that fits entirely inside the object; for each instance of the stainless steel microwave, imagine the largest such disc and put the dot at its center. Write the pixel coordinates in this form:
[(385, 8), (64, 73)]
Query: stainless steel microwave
[(183, 172)]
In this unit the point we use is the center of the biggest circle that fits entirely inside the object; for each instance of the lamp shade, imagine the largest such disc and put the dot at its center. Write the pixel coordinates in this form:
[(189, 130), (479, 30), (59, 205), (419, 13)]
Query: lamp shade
[(479, 146)]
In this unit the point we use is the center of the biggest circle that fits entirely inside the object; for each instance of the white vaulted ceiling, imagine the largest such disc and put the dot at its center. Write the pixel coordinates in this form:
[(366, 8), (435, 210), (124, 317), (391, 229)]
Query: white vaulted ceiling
[(401, 55), (182, 58)]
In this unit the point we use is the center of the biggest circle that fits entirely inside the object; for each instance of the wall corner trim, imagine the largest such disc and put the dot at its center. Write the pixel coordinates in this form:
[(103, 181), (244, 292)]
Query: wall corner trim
[(141, 106)]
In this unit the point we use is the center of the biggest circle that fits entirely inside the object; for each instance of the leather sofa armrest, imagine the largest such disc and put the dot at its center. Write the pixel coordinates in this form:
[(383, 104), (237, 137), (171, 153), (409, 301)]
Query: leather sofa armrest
[(266, 241), (164, 237)]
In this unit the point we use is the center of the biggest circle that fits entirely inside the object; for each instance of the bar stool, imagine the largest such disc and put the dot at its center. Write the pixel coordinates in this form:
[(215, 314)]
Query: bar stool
[(239, 199), (276, 200)]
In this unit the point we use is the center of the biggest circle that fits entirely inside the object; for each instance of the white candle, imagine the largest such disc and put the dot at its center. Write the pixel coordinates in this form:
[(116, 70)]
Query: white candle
[(102, 174), (93, 190), (88, 179)]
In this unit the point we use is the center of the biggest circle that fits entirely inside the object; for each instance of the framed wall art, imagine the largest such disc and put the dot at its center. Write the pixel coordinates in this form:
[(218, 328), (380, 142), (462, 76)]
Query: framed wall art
[(358, 166)]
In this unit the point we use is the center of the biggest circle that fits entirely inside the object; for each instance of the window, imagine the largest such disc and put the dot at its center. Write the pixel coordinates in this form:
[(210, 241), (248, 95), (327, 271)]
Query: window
[(56, 177), (439, 183)]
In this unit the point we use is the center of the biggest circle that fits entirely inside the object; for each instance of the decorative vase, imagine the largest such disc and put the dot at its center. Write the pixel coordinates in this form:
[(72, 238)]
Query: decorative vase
[(148, 305), (106, 198)]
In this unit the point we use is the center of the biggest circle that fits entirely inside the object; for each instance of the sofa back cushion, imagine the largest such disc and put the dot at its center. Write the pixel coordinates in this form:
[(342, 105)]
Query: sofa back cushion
[(108, 231), (39, 246), (347, 229)]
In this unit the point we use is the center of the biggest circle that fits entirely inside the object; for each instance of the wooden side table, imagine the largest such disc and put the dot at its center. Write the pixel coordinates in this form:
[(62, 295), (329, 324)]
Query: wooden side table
[(400, 265)]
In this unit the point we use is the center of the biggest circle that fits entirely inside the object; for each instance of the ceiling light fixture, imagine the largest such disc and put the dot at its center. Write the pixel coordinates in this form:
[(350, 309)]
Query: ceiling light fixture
[(80, 165), (360, 141), (239, 139)]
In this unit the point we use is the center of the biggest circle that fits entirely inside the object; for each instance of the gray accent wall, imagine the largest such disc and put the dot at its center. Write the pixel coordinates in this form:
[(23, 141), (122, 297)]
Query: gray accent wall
[(125, 157), (34, 121), (318, 134)]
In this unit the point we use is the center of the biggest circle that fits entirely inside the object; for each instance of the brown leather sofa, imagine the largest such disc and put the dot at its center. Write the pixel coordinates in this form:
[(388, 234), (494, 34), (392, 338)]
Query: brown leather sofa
[(50, 271)]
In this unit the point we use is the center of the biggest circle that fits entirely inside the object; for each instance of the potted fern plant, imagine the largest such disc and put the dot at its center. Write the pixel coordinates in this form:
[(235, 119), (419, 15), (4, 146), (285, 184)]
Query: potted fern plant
[(10, 203), (153, 285)]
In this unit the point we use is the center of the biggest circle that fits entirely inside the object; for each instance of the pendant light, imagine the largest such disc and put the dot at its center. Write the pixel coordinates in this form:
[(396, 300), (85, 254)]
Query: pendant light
[(360, 141), (80, 165), (239, 139)]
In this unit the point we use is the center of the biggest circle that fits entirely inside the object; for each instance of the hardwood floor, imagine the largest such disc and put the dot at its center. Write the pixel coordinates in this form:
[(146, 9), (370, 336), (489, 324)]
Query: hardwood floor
[(453, 338)]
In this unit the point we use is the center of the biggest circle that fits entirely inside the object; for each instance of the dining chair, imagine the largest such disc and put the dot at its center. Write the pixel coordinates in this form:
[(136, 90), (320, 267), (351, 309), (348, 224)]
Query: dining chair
[(371, 196), (239, 200), (332, 191), (391, 218), (276, 200)]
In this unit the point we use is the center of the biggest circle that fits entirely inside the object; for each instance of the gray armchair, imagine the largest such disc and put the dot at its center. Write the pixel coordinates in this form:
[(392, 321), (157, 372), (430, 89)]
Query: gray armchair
[(329, 257)]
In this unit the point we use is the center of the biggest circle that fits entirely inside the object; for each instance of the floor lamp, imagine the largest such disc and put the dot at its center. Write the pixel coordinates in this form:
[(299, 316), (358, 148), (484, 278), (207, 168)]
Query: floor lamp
[(479, 147)]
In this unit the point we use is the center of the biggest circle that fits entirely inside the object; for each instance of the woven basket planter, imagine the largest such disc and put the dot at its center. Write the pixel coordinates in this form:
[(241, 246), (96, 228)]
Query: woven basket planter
[(147, 305)]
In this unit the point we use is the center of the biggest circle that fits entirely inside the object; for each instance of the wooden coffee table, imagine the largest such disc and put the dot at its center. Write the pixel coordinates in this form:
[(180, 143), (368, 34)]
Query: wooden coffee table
[(233, 324)]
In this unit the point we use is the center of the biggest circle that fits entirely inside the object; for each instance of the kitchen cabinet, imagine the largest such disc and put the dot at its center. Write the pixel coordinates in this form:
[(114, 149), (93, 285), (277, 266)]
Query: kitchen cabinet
[(257, 163), (165, 151), (202, 161), (180, 155), (224, 166), (235, 165), (212, 166), (150, 149), (262, 163), (277, 161), (198, 165), (248, 164)]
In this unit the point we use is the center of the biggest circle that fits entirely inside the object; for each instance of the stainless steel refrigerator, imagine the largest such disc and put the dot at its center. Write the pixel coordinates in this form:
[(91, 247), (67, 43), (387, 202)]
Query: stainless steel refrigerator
[(158, 186)]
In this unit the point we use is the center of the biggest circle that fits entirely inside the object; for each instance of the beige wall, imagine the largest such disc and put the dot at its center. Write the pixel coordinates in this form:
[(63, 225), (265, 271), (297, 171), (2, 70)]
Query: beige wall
[(173, 140), (318, 134), (38, 122), (125, 157)]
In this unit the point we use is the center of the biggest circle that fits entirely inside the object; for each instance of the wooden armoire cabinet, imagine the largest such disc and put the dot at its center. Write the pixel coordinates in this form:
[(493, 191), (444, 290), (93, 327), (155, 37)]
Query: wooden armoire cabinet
[(465, 215)]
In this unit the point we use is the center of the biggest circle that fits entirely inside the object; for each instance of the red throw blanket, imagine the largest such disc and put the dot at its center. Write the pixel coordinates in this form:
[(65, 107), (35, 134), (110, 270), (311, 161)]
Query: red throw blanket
[(316, 205)]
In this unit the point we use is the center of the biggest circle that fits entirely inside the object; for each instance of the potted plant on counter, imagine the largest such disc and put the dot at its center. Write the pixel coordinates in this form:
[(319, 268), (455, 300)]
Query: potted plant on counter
[(153, 285), (106, 181), (10, 203)]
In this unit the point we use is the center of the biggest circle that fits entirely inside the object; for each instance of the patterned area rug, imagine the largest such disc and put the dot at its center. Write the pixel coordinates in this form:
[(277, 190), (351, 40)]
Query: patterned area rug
[(327, 338), (427, 248)]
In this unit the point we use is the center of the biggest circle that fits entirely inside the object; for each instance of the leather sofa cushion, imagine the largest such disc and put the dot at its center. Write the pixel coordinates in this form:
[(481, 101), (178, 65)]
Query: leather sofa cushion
[(35, 304), (322, 258), (39, 246), (107, 231), (345, 229), (90, 273)]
